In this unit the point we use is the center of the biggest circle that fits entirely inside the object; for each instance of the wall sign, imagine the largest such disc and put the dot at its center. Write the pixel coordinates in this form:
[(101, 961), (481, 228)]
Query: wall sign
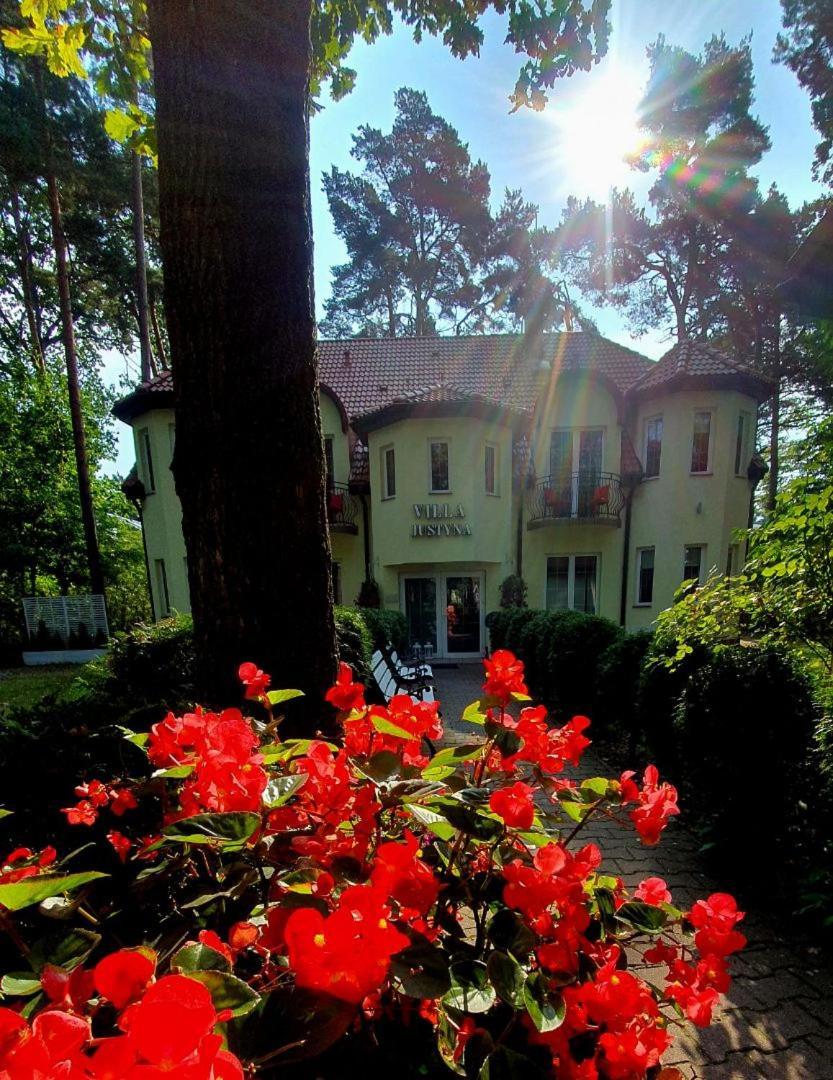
[(439, 519)]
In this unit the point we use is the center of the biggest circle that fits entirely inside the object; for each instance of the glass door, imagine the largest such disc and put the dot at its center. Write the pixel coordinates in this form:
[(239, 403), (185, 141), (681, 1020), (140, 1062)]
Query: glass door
[(462, 615), (589, 470), (421, 614)]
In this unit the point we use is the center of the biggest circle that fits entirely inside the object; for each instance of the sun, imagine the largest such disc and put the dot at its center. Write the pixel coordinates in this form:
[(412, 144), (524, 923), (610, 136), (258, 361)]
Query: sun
[(597, 129)]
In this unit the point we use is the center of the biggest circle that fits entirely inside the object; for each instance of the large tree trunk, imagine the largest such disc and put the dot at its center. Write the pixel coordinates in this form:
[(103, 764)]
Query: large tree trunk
[(79, 437), (232, 81), (775, 427)]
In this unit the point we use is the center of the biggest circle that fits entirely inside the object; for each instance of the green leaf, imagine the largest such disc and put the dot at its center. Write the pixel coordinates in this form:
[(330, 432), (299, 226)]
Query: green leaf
[(421, 971), (198, 957), (20, 984), (474, 714), (507, 977), (227, 991), (432, 820), (226, 830), (383, 767), (506, 1064), (596, 787), (119, 125), (282, 788), (64, 949), (471, 991), (470, 820), (174, 772), (646, 917), (278, 697), (5, 813), (22, 894), (508, 931), (387, 727), (546, 1011), (453, 755)]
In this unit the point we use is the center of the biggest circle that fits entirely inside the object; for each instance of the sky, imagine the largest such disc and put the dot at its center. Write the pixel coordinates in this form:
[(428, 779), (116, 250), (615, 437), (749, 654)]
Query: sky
[(538, 152)]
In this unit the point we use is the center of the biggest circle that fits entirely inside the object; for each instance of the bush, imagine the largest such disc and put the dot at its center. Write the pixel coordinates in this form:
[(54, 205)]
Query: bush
[(615, 712), (386, 626), (513, 592), (370, 595), (154, 662), (745, 713), (561, 650), (354, 642)]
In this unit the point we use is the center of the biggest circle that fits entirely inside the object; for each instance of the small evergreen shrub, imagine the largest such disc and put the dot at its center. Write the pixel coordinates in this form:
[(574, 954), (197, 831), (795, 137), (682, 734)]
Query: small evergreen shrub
[(354, 642), (615, 713), (370, 595), (513, 592), (386, 627)]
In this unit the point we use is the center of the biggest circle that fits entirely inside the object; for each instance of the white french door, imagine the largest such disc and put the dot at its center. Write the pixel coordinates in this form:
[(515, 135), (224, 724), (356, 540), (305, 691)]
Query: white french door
[(444, 614)]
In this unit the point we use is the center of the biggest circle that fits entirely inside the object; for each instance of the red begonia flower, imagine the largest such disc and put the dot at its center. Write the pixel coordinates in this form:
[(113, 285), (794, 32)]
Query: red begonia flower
[(504, 676), (514, 804), (653, 890), (122, 976), (346, 695), (257, 682)]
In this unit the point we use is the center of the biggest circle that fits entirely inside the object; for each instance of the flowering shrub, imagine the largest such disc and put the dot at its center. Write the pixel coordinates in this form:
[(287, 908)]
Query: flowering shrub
[(308, 899)]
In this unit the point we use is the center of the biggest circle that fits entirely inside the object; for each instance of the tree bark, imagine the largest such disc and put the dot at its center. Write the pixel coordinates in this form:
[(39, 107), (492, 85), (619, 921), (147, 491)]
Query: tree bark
[(26, 283), (161, 355), (138, 213), (775, 427), (79, 438), (232, 84)]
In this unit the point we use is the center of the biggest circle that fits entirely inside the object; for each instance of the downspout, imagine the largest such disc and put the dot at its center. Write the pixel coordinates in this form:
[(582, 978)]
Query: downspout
[(137, 502), (626, 556), (519, 557), (368, 575)]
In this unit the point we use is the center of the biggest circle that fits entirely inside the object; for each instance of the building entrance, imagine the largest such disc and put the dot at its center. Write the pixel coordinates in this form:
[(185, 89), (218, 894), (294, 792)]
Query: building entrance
[(444, 613)]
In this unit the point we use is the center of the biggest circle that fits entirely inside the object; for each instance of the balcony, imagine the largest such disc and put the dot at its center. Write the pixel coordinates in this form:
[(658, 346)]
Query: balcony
[(581, 498), (342, 509)]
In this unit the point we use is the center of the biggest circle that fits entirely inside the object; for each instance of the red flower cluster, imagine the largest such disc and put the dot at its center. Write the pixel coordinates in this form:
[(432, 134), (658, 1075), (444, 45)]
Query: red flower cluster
[(224, 752), (23, 863), (333, 814), (715, 920), (95, 796), (548, 748), (399, 727), (257, 682), (346, 695), (504, 677), (168, 1028), (347, 953), (514, 804), (555, 880), (657, 803)]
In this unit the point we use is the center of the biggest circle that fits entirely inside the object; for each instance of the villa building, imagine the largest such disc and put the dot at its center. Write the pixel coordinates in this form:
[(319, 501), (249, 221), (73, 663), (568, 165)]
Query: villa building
[(604, 478)]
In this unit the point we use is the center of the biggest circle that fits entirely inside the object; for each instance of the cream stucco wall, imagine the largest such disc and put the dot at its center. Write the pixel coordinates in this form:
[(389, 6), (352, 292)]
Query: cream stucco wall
[(489, 548), (679, 508), (575, 402), (347, 548)]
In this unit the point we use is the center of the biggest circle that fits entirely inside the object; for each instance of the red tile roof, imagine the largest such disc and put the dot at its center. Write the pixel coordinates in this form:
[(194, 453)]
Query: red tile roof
[(691, 362)]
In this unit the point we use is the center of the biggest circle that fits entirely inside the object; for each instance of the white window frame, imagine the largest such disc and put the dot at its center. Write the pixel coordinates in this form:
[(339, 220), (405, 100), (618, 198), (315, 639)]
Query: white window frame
[(571, 577), (638, 577), (146, 460), (385, 450), (742, 442), (701, 577), (652, 420), (436, 441), (496, 469), (712, 413)]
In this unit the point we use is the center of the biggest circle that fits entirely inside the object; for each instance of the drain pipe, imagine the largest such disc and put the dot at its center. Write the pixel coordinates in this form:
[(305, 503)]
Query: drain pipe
[(368, 575), (137, 503), (626, 556)]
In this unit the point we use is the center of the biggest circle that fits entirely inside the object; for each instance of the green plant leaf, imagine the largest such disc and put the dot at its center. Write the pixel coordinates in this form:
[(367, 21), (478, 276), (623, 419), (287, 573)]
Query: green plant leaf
[(20, 984), (506, 1064), (387, 727), (421, 971), (471, 991), (22, 894), (198, 957), (432, 820), (174, 772), (474, 713), (507, 977), (226, 830), (278, 697), (546, 1011), (5, 813), (508, 931), (227, 991), (64, 949), (282, 788), (453, 755), (646, 917)]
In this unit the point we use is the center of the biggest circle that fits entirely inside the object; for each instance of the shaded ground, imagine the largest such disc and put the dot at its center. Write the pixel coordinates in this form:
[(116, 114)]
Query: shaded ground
[(26, 686), (777, 1019)]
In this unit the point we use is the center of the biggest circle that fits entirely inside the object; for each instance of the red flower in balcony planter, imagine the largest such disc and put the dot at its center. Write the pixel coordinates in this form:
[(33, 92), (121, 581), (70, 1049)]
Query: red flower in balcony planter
[(335, 502), (514, 804), (601, 496)]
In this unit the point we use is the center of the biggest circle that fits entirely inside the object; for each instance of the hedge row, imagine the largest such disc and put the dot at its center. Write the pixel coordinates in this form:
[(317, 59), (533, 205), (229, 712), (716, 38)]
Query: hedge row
[(735, 730)]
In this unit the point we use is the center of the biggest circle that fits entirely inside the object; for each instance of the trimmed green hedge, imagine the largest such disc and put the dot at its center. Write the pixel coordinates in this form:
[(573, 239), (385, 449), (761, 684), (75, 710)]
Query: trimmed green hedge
[(386, 626)]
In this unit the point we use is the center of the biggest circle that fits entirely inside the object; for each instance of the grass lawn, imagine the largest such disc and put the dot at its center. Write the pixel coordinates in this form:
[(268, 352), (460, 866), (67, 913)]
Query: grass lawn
[(26, 686)]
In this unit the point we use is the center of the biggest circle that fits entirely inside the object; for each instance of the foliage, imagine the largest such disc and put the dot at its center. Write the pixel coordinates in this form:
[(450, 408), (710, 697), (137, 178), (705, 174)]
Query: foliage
[(387, 627), (426, 254), (513, 592), (370, 595), (806, 48), (25, 687), (561, 650), (327, 906), (354, 640), (616, 685)]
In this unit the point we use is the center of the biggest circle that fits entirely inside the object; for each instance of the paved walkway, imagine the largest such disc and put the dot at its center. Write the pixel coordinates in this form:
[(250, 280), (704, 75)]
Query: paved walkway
[(777, 1019)]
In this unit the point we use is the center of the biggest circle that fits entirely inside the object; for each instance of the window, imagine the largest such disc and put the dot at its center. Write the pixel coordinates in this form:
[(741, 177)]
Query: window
[(438, 452), (336, 573), (653, 445), (693, 562), (146, 460), (162, 588), (388, 473), (741, 453), (700, 443), (645, 575), (328, 460), (572, 583), (490, 461)]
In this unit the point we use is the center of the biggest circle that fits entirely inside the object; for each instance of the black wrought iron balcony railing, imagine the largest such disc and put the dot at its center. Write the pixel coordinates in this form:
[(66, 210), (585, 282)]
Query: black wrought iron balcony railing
[(584, 497), (342, 508)]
